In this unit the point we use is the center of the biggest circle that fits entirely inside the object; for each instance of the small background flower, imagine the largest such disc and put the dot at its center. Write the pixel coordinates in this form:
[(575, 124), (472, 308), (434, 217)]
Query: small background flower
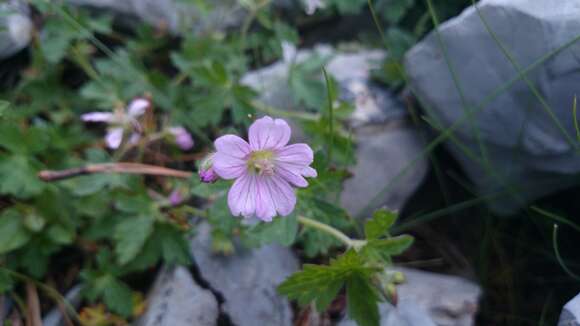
[(120, 121)]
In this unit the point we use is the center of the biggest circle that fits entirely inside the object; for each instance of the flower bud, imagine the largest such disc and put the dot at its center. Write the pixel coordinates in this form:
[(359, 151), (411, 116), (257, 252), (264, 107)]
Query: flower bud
[(176, 197), (182, 138), (206, 171)]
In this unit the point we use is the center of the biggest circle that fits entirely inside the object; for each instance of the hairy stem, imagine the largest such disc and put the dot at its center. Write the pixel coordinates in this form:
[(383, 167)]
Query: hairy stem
[(351, 243)]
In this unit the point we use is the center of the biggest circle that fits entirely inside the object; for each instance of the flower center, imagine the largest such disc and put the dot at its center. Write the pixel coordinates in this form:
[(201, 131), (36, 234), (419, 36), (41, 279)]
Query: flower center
[(261, 162)]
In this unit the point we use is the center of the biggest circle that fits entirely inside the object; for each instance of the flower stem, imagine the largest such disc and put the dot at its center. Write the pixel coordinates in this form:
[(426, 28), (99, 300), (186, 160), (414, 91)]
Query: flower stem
[(260, 106), (130, 168), (327, 229)]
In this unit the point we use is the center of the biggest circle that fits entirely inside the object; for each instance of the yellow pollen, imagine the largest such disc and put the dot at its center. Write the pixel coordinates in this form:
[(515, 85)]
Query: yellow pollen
[(261, 162)]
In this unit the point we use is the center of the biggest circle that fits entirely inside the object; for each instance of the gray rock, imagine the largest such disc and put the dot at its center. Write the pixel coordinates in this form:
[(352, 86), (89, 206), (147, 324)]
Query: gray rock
[(178, 16), (389, 168), (429, 299), (405, 314), (449, 300), (247, 280), (54, 317), (15, 27), (527, 152), (571, 313), (176, 300)]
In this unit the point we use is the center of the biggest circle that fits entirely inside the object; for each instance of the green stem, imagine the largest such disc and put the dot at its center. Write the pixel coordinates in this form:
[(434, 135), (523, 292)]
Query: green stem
[(350, 243), (260, 106)]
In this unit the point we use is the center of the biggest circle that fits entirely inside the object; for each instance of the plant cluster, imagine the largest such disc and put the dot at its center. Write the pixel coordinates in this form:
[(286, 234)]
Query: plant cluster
[(124, 118)]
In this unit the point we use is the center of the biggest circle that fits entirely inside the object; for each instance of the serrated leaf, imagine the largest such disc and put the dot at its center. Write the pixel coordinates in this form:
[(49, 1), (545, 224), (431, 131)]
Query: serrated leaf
[(13, 235), (19, 177), (380, 224), (362, 301), (174, 246), (130, 236), (384, 249), (118, 297), (320, 284)]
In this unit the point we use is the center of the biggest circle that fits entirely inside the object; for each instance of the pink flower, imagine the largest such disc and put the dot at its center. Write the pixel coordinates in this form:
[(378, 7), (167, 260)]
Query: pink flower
[(266, 169), (182, 138), (206, 172), (119, 121)]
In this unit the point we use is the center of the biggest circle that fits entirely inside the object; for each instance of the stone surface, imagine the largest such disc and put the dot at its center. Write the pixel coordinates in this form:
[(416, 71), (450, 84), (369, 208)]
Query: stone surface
[(387, 143), (247, 280), (15, 27), (176, 300), (429, 299), (525, 147), (571, 313), (405, 314), (449, 300), (178, 16)]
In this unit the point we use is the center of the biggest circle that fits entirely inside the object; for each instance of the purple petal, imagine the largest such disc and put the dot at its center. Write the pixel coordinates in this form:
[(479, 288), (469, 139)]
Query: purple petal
[(280, 193), (114, 137), (229, 161), (291, 175), (232, 146), (228, 167), (265, 207), (98, 117), (137, 107), (242, 196), (268, 133), (309, 172), (294, 157)]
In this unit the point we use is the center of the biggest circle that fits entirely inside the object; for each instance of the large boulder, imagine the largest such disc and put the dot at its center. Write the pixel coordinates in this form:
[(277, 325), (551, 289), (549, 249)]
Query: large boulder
[(15, 27), (247, 280), (506, 140), (389, 166)]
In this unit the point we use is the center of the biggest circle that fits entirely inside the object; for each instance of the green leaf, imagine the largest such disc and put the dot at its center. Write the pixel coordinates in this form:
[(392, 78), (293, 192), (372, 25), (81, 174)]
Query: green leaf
[(320, 284), (380, 224), (116, 294), (130, 236), (282, 230), (384, 249), (362, 300), (6, 281), (394, 10), (118, 297), (174, 246), (19, 177), (61, 235), (13, 234), (4, 105)]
